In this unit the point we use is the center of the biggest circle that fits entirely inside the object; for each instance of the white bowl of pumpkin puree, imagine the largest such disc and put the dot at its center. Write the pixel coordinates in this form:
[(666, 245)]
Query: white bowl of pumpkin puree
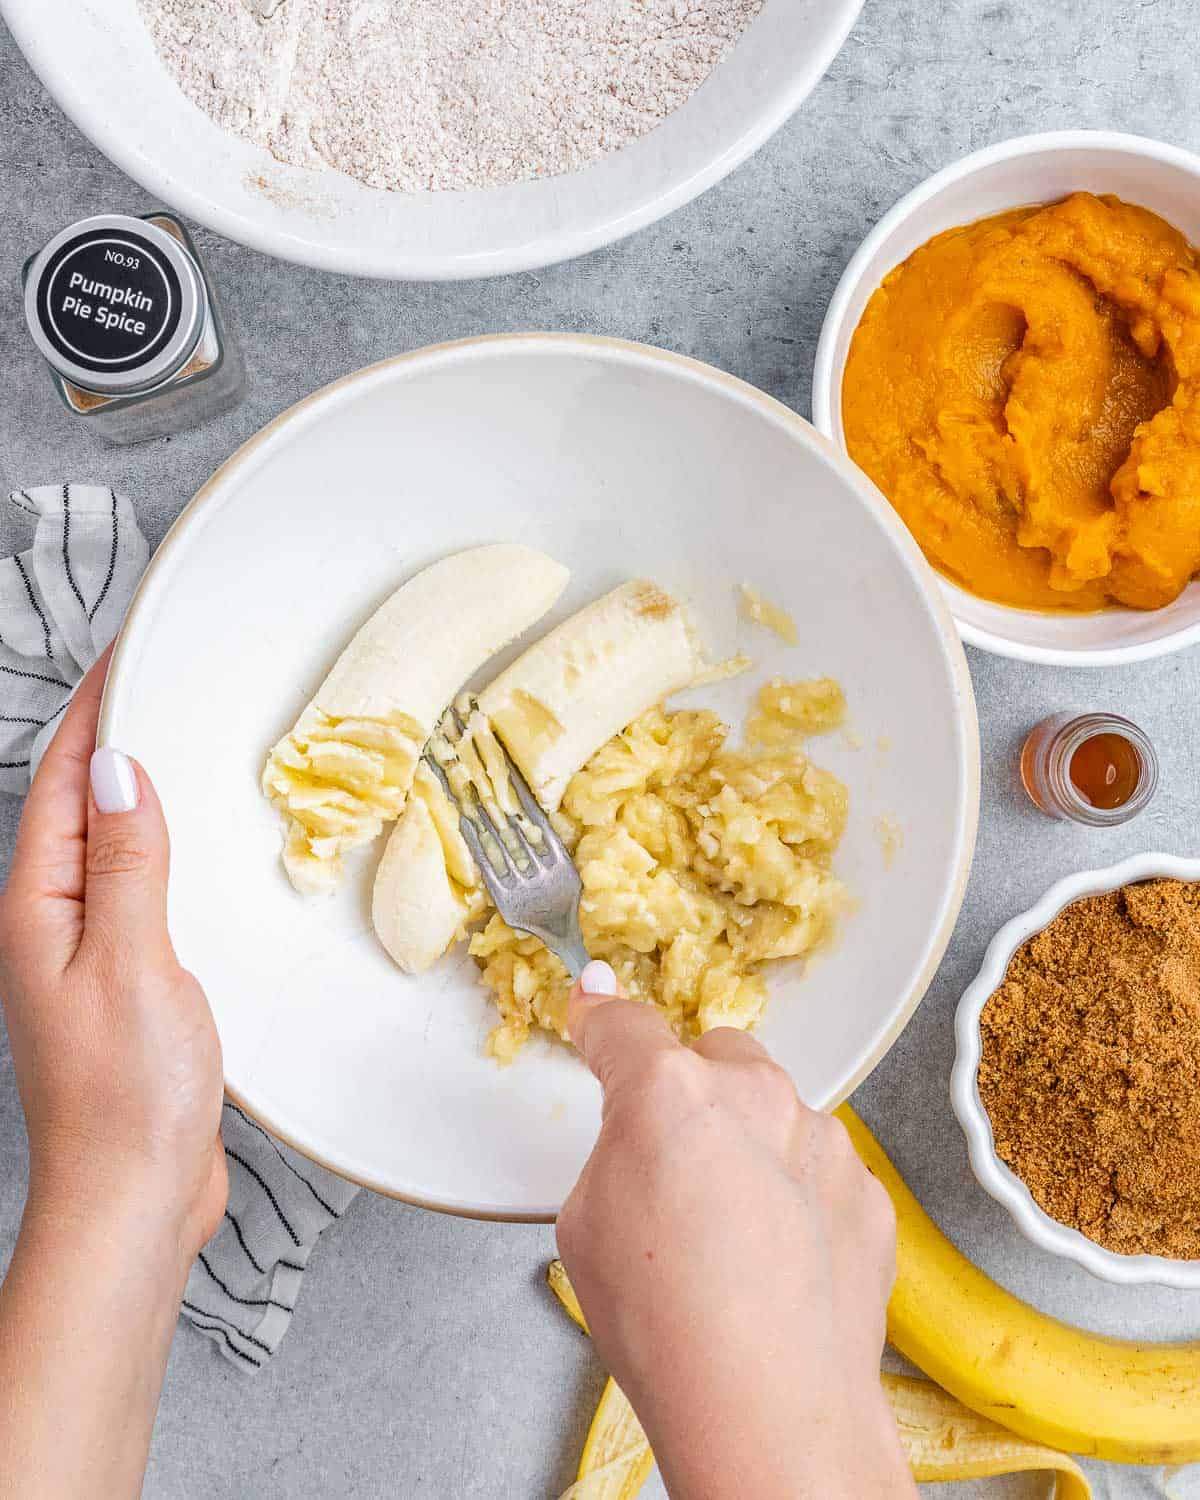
[(1013, 356)]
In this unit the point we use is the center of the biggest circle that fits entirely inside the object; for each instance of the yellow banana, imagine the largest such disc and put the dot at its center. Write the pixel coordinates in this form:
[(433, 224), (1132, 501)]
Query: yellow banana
[(1135, 1403), (942, 1439)]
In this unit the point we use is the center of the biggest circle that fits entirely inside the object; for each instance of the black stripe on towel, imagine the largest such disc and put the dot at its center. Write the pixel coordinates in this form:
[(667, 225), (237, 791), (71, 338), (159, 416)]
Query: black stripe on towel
[(32, 676), (112, 561), (225, 1323), (218, 1327), (67, 545), (300, 1177), (37, 607), (245, 1301), (237, 1229), (283, 1218)]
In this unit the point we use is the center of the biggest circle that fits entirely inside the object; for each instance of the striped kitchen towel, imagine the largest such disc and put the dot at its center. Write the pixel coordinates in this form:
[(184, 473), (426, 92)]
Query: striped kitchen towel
[(60, 605), (61, 602), (243, 1289)]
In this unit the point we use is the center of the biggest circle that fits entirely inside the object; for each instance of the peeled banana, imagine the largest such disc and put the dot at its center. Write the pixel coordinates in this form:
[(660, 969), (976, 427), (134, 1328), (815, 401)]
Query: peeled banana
[(581, 684), (346, 766), (553, 709), (1134, 1403)]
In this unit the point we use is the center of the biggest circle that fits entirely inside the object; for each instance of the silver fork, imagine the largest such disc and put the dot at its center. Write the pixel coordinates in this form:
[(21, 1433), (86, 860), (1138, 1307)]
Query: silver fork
[(542, 899)]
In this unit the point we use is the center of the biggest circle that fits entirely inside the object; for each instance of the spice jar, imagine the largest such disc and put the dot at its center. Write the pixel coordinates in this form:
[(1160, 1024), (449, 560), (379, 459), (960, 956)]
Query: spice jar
[(123, 313), (1096, 769)]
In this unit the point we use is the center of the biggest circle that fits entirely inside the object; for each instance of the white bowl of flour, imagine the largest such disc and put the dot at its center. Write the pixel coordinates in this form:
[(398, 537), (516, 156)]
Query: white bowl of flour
[(431, 140)]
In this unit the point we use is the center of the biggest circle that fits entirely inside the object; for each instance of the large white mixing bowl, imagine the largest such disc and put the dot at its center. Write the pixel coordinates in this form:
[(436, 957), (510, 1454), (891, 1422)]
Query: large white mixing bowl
[(620, 461), (97, 59)]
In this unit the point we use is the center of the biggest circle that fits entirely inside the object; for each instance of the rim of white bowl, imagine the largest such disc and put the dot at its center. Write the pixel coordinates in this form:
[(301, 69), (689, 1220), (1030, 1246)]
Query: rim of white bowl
[(646, 206), (991, 1173), (215, 492), (824, 395)]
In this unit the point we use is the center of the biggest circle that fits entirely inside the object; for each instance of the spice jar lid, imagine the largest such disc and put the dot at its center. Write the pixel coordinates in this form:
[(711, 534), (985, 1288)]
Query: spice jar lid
[(115, 304)]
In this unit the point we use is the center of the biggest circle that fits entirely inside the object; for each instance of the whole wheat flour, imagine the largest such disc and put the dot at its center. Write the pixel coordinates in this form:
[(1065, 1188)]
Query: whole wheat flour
[(441, 94)]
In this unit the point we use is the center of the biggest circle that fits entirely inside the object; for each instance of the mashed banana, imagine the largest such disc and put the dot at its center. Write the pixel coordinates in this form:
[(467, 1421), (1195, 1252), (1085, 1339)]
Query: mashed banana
[(759, 609), (699, 864), (1026, 392), (788, 711)]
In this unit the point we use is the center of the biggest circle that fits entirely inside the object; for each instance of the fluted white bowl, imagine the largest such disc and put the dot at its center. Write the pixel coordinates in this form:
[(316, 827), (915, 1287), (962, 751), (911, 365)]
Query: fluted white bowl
[(993, 1175)]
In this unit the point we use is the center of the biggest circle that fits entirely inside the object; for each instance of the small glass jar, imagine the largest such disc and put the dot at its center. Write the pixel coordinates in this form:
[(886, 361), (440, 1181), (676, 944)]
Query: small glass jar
[(1096, 769), (122, 311)]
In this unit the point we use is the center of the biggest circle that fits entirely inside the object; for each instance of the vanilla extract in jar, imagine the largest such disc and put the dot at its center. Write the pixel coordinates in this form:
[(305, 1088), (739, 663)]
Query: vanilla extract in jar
[(123, 312), (1096, 769)]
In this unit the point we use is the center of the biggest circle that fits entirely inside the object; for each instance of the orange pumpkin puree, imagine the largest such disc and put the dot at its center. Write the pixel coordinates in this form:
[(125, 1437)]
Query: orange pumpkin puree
[(1026, 393)]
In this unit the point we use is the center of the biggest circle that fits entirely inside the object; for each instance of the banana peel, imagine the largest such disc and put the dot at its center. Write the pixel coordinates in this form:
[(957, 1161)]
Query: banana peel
[(942, 1440), (560, 1285), (616, 1459), (1124, 1401), (1013, 1369)]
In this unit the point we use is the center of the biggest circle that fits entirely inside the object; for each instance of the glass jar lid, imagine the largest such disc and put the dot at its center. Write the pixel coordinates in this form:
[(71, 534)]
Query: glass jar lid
[(115, 304)]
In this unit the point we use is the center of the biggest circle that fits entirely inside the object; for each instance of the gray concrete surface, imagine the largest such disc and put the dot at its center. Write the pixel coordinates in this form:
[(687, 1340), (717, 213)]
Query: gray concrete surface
[(426, 1358)]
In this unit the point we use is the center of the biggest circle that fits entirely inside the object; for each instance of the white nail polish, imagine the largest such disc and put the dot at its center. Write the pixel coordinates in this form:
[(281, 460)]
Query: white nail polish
[(598, 979), (114, 781)]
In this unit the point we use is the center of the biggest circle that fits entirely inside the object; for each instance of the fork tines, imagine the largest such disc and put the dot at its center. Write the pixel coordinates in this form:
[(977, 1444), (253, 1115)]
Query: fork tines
[(496, 849)]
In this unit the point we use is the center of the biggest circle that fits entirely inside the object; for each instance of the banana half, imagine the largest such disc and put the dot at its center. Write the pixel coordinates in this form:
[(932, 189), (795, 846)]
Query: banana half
[(347, 765), (553, 709)]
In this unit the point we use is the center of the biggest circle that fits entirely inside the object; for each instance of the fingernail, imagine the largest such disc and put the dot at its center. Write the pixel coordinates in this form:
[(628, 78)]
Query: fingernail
[(114, 781), (598, 979)]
